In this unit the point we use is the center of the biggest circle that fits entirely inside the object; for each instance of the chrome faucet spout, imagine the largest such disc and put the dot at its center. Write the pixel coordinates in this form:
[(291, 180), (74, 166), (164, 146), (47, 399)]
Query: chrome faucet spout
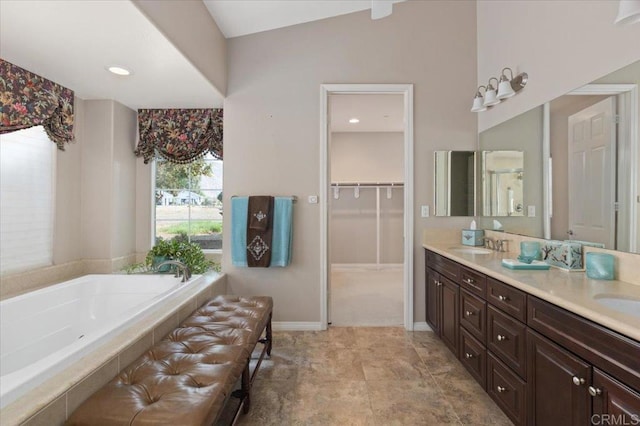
[(186, 273)]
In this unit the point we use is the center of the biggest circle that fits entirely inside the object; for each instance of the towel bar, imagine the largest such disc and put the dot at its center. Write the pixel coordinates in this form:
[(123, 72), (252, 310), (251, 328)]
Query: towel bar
[(294, 198)]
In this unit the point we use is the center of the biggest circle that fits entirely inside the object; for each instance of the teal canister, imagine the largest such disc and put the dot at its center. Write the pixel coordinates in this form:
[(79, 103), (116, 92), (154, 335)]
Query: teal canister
[(600, 266)]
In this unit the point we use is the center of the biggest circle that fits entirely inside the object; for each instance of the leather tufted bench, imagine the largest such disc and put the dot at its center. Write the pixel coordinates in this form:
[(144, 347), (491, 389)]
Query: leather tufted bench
[(187, 378)]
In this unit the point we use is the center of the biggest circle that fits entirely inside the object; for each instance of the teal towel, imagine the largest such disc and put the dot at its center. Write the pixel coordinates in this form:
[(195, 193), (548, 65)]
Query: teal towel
[(239, 212), (282, 231)]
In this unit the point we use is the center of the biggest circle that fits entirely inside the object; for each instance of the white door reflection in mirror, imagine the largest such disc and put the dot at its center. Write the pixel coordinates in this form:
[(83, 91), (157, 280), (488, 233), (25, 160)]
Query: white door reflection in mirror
[(502, 180), (592, 168)]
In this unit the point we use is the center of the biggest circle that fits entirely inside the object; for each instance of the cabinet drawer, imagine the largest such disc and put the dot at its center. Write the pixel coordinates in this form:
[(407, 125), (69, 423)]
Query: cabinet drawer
[(506, 338), (507, 298), (507, 390), (473, 315), (473, 355), (446, 267), (473, 281), (612, 352)]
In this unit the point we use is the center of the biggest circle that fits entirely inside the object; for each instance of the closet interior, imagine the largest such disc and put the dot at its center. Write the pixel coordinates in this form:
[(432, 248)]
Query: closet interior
[(366, 216)]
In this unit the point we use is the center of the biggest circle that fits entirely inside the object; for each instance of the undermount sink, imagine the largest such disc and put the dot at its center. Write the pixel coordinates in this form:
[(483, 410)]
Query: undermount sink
[(626, 305), (471, 250)]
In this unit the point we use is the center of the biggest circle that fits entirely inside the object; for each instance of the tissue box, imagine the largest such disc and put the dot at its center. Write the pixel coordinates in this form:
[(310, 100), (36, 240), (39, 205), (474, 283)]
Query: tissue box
[(563, 255), (473, 237)]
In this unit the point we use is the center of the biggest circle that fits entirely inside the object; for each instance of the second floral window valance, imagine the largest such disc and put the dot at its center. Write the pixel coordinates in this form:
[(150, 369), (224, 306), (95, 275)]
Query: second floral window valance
[(179, 135)]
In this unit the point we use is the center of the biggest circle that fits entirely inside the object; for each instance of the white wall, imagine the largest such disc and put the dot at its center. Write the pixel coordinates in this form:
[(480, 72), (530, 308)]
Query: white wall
[(367, 157), (272, 122), (561, 44), (190, 27)]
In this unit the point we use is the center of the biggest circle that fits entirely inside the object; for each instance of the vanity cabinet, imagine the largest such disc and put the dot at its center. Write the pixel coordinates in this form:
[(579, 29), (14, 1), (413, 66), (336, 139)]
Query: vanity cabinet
[(578, 359), (541, 364)]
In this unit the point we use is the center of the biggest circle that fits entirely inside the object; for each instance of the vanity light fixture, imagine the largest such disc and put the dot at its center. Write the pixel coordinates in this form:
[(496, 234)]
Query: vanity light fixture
[(478, 101), (490, 97), (118, 70), (354, 120), (628, 12), (507, 87)]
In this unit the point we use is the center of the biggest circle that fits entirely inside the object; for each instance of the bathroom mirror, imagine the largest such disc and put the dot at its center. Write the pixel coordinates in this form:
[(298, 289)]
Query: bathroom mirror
[(502, 183), (454, 183), (586, 186)]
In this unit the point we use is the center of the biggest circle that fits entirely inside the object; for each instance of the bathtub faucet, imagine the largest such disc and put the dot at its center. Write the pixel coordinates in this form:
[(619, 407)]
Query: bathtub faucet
[(186, 273)]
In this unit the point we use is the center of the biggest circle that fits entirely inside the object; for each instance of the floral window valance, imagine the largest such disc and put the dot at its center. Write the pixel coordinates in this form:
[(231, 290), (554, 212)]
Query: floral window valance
[(28, 100), (179, 135)]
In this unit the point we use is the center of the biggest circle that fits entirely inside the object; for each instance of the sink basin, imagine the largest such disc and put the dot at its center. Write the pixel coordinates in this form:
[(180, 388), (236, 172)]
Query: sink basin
[(471, 250), (626, 305)]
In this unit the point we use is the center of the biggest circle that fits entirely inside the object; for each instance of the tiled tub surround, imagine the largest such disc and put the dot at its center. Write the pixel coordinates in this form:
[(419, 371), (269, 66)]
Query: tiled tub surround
[(571, 291), (51, 402)]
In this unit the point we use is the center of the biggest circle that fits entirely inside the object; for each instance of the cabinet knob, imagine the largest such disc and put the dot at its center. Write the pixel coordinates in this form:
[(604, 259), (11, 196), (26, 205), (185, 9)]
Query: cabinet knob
[(501, 389), (468, 313), (503, 298), (469, 281), (439, 284), (594, 391), (468, 355), (577, 381), (500, 337)]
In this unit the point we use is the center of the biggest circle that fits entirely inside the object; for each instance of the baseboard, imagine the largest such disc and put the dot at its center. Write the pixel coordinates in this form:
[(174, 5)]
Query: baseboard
[(296, 326), (421, 326)]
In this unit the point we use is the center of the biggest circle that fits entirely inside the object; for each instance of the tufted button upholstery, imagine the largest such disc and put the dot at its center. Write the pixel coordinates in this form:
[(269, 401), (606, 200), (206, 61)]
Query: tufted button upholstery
[(186, 378)]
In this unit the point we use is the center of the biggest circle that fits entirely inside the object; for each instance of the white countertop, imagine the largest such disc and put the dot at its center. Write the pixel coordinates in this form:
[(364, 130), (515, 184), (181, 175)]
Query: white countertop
[(573, 291)]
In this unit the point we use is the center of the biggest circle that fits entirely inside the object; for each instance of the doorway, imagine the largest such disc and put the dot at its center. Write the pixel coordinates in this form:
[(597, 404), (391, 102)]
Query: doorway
[(366, 204)]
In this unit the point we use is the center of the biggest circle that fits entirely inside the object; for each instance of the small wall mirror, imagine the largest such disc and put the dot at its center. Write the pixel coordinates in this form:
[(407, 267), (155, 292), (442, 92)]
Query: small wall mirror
[(454, 183), (502, 183)]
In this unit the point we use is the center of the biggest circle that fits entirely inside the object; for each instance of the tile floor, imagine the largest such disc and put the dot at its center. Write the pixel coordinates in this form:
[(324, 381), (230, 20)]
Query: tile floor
[(366, 376)]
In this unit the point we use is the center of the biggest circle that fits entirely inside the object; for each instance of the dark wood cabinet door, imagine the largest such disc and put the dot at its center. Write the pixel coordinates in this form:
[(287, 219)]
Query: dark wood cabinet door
[(613, 402), (432, 293), (450, 293), (558, 384), (506, 338)]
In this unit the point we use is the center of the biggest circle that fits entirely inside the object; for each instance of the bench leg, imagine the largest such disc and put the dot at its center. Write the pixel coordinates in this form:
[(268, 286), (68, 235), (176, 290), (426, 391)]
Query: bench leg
[(269, 335), (246, 389)]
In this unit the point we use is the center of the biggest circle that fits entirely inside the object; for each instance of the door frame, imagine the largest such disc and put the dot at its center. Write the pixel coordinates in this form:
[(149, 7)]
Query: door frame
[(366, 89), (631, 90)]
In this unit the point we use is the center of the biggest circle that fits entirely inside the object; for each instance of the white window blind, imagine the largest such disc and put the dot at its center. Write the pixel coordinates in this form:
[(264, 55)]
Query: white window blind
[(26, 200)]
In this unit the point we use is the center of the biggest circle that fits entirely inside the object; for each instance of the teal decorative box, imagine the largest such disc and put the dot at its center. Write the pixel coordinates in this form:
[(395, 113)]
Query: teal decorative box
[(473, 237), (563, 255)]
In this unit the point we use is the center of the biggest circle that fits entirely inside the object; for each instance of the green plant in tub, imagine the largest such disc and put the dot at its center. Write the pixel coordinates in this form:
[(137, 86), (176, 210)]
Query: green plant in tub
[(182, 250)]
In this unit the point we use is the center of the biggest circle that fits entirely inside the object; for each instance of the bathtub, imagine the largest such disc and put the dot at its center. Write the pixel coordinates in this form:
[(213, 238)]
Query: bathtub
[(45, 331)]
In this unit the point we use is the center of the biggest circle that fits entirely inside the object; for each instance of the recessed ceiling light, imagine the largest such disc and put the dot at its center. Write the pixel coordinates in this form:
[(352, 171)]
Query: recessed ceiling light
[(354, 120), (118, 70)]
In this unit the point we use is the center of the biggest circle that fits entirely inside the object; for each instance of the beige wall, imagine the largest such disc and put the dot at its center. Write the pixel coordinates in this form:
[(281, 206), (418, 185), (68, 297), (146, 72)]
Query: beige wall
[(67, 235), (272, 123), (561, 44), (367, 157), (190, 27)]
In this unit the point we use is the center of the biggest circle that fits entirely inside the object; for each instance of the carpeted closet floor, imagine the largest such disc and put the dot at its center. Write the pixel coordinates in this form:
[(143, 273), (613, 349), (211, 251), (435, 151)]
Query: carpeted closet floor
[(366, 296), (366, 376)]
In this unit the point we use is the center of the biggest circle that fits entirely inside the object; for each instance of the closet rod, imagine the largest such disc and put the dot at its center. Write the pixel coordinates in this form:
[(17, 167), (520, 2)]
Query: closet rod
[(370, 185)]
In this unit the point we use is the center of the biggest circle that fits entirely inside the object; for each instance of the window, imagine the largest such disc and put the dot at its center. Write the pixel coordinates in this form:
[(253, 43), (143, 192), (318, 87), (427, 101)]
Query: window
[(188, 201), (26, 200)]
